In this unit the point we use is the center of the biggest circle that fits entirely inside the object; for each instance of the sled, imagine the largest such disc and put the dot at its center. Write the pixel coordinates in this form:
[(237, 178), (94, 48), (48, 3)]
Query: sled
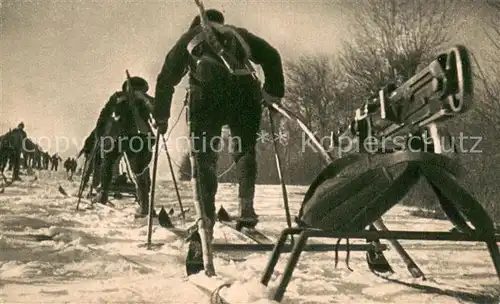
[(355, 191), (129, 189)]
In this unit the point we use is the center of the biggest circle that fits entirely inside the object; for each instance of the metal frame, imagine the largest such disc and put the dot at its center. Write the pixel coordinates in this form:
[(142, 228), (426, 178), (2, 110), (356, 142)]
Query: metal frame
[(306, 233), (446, 178), (289, 247), (459, 197)]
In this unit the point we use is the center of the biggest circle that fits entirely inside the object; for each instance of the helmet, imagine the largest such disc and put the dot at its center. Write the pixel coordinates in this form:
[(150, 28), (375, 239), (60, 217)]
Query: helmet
[(137, 83), (21, 125)]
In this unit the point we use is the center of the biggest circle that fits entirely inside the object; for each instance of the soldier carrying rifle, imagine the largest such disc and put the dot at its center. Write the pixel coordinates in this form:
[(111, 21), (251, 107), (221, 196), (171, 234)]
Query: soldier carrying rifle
[(218, 97)]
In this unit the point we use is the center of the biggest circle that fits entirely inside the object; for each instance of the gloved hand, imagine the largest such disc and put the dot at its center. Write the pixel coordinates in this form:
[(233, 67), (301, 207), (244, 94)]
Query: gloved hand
[(269, 100), (161, 125)]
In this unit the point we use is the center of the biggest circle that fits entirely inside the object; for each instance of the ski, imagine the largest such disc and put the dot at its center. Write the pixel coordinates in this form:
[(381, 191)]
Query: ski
[(219, 248), (251, 233), (109, 205), (225, 219), (189, 235)]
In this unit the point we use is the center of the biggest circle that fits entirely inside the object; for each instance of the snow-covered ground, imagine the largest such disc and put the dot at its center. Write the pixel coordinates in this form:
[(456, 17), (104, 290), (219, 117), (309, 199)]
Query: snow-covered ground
[(96, 255)]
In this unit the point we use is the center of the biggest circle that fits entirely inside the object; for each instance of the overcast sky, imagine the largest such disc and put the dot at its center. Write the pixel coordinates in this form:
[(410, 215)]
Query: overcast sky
[(61, 60)]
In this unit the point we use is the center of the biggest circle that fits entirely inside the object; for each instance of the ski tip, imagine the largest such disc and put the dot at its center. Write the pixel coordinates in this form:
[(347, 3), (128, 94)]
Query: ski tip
[(62, 191), (223, 215), (164, 219)]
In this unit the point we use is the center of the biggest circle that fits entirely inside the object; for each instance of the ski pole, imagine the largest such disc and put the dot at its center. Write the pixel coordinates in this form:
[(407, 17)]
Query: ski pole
[(173, 178), (153, 186), (280, 175)]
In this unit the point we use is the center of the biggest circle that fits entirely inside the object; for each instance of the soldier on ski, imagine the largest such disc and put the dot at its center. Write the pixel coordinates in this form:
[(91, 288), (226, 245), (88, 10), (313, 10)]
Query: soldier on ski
[(74, 165), (18, 145), (70, 166), (55, 159), (217, 98), (123, 127), (67, 165), (45, 160)]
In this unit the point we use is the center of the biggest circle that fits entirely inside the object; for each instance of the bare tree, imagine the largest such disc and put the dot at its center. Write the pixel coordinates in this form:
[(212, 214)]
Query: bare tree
[(485, 119), (394, 38), (488, 74), (316, 92)]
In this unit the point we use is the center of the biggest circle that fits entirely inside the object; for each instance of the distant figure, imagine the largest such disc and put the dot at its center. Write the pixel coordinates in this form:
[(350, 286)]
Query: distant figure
[(46, 160), (7, 151), (74, 165), (70, 166), (55, 161), (14, 140), (67, 165)]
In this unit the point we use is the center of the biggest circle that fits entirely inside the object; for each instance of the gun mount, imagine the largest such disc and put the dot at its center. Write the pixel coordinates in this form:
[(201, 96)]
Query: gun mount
[(435, 94)]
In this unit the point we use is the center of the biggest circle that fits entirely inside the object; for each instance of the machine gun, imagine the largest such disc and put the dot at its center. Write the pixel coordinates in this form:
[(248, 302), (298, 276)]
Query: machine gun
[(435, 94)]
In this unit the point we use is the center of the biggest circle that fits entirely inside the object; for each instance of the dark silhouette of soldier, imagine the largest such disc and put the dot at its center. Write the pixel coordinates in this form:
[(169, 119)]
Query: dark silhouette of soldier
[(219, 96)]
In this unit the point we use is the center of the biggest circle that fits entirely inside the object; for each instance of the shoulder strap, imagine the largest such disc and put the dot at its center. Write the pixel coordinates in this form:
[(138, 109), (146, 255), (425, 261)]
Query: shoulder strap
[(232, 30), (201, 37)]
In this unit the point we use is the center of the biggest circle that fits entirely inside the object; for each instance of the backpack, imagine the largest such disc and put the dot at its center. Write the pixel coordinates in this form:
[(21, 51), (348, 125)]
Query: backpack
[(219, 53)]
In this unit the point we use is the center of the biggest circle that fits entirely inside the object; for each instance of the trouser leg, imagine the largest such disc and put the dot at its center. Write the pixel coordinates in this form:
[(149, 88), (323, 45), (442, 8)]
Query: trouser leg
[(205, 120), (16, 166), (105, 158), (244, 125), (206, 181), (139, 153)]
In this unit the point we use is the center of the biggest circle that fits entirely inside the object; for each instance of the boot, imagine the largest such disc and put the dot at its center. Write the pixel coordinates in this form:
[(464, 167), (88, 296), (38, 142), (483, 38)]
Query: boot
[(247, 216)]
